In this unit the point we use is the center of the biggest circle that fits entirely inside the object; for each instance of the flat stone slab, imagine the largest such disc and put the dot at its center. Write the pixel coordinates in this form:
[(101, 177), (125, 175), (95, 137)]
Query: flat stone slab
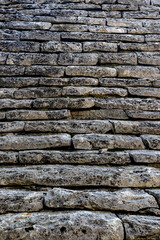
[(145, 156), (141, 227), (120, 200), (71, 175), (82, 225)]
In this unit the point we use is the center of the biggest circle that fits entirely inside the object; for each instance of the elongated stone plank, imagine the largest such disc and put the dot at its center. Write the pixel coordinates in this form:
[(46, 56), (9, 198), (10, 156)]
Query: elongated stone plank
[(11, 70), (53, 46), (39, 35), (99, 114), (145, 156), (7, 92), (150, 115), (121, 200), (20, 142), (10, 103), (91, 71), (124, 82), (152, 141), (19, 46), (70, 126), (99, 46), (48, 71), (129, 103), (139, 227), (71, 225), (71, 175), (149, 58), (59, 103), (18, 82), (88, 91), (8, 157), (11, 126), (137, 127), (144, 92), (20, 201), (37, 115), (78, 59), (78, 157), (119, 58)]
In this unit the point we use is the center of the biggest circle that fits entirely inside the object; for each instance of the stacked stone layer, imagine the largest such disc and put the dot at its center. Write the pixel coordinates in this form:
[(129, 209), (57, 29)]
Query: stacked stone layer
[(80, 119)]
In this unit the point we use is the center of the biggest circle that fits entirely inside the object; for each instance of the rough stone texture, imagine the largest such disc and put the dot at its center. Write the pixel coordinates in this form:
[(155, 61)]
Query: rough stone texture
[(123, 200), (79, 119), (71, 225)]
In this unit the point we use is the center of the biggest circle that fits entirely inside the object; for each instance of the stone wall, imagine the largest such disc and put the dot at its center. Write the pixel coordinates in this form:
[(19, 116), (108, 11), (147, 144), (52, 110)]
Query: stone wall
[(79, 119)]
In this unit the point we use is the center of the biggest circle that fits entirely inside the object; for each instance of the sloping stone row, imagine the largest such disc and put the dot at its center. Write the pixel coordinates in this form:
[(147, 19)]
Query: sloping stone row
[(79, 119)]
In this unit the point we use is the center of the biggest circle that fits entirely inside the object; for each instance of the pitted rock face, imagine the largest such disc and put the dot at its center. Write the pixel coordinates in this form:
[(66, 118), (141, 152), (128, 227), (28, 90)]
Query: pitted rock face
[(79, 119)]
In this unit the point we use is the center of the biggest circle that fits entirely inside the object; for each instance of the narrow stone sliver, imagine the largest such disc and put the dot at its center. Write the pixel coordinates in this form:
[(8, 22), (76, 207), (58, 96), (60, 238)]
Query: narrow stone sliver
[(79, 120)]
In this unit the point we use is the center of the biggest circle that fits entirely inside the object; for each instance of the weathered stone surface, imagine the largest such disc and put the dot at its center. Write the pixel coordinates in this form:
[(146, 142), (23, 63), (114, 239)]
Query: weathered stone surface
[(129, 103), (99, 46), (119, 58), (155, 115), (6, 92), (106, 29), (11, 70), (11, 126), (123, 22), (124, 82), (9, 103), (155, 193), (122, 200), (3, 58), (88, 91), (29, 25), (12, 142), (8, 157), (31, 59), (76, 81), (97, 141), (53, 46), (7, 34), (152, 141), (78, 157), (139, 2), (139, 227), (145, 156), (20, 201), (149, 58), (138, 14), (137, 72), (44, 92), (40, 35), (91, 71), (18, 81), (35, 114), (71, 175), (47, 71), (154, 46), (19, 46), (69, 27), (70, 126), (145, 92), (137, 127), (71, 225), (78, 59), (59, 103), (100, 114)]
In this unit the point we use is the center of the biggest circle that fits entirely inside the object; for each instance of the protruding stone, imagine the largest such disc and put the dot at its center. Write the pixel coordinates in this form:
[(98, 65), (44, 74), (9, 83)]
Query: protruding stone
[(10, 103), (150, 115), (97, 141), (145, 156), (152, 141), (144, 92), (121, 200), (71, 225)]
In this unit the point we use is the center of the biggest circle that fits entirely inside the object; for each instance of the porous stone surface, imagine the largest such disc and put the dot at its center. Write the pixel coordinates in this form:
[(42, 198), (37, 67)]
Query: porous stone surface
[(79, 119)]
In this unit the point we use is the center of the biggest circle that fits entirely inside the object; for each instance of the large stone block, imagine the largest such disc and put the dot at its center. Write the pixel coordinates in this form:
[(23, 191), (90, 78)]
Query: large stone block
[(47, 71), (119, 58), (145, 156), (53, 46), (78, 59)]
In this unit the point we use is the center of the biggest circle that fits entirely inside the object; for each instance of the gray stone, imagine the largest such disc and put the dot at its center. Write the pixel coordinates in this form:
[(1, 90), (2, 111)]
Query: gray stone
[(54, 46), (44, 92), (88, 91), (124, 82), (7, 34), (6, 92), (156, 83), (2, 115), (20, 201), (139, 227), (9, 103), (137, 127), (3, 57), (8, 157), (136, 2), (106, 29), (19, 46), (124, 22), (150, 115), (155, 193), (40, 35), (47, 71), (100, 114), (59, 103), (91, 71), (81, 175), (11, 126), (69, 126), (152, 141), (138, 14), (78, 59), (28, 25), (119, 58), (137, 72), (152, 38), (28, 59), (97, 141), (99, 46), (149, 58), (71, 225), (75, 157), (129, 103), (11, 70), (18, 81), (145, 156), (154, 46), (35, 114), (12, 142), (69, 27), (145, 92), (121, 200)]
